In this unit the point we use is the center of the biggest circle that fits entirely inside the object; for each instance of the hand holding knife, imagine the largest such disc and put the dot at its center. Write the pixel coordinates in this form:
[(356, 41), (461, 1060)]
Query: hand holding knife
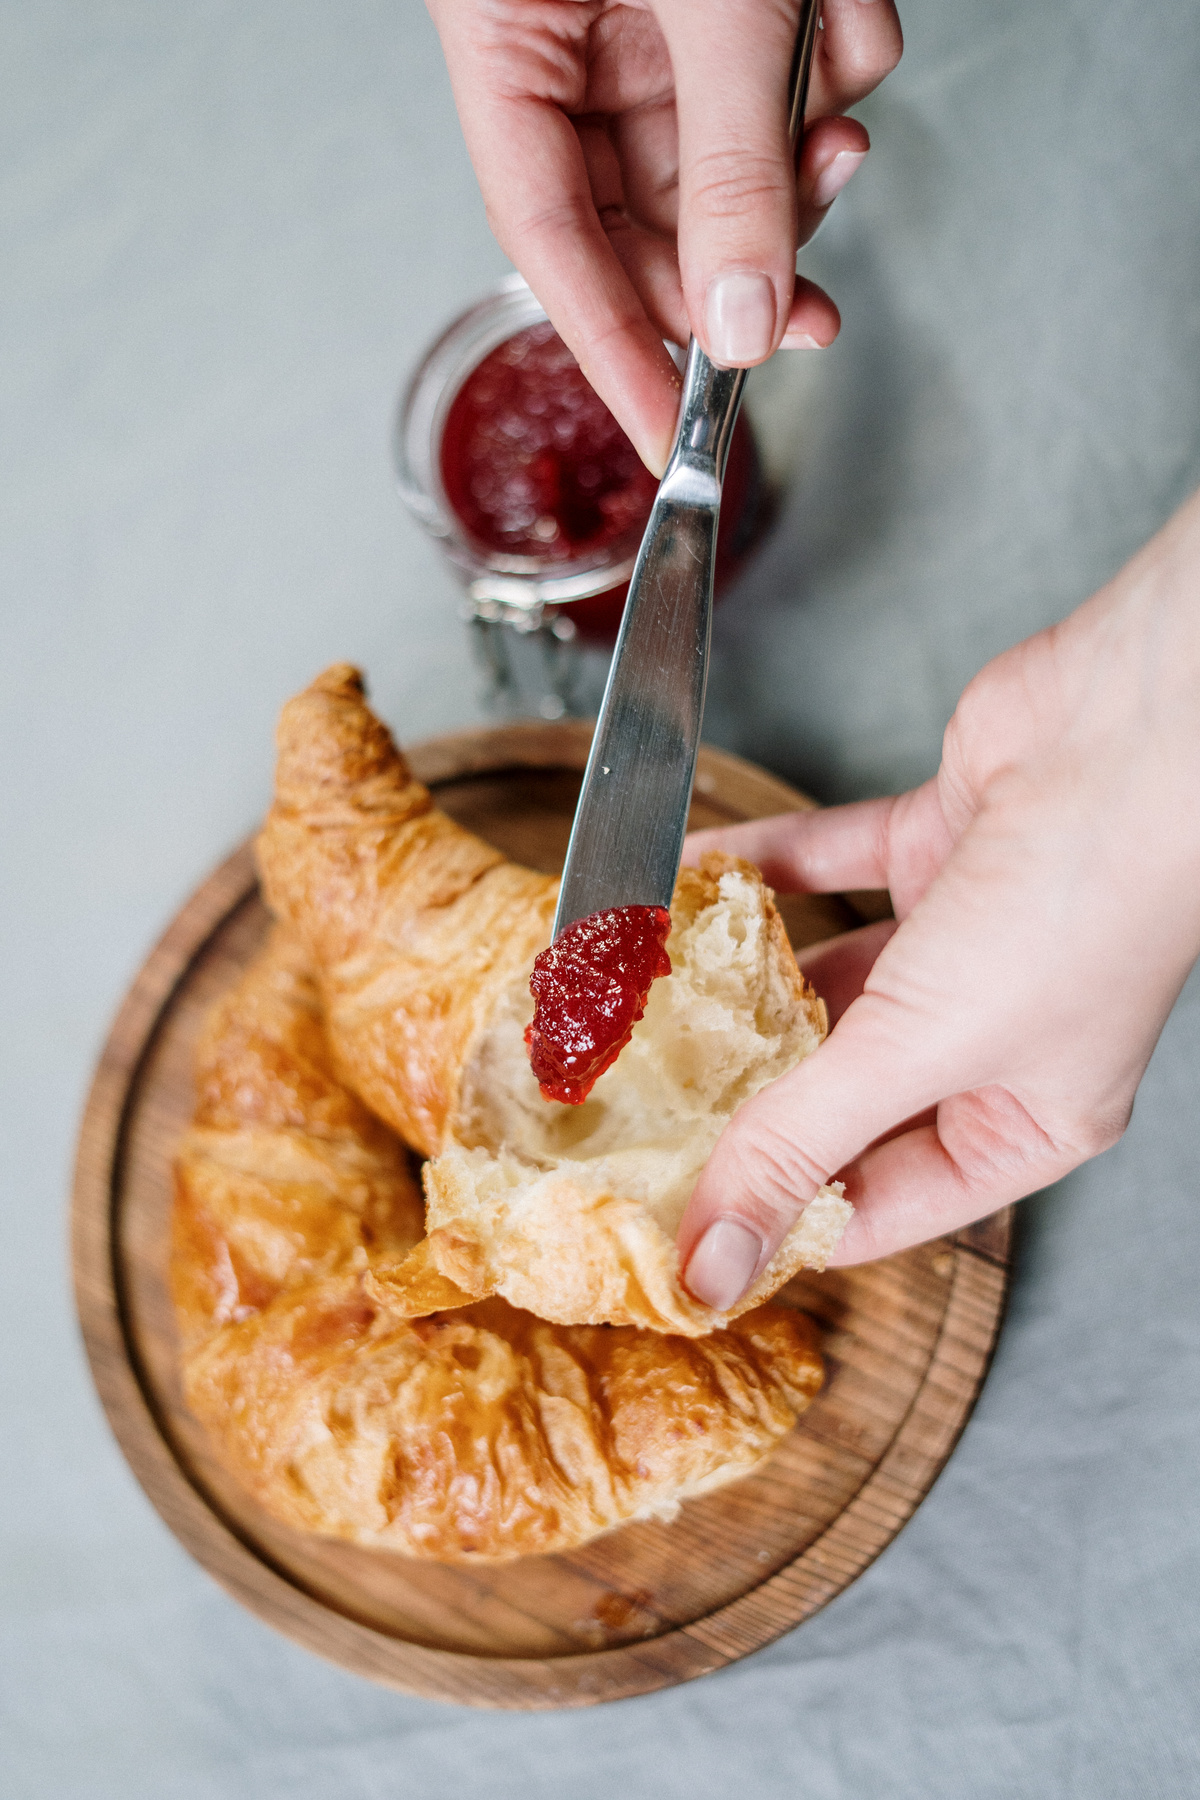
[(627, 838)]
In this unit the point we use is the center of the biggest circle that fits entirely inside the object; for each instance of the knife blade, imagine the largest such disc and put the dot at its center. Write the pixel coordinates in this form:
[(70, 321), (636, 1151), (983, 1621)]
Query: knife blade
[(627, 837)]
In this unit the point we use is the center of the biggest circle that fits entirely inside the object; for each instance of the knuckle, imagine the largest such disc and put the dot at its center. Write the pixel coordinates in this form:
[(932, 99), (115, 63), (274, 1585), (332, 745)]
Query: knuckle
[(1100, 1130), (864, 58), (886, 55), (550, 222), (994, 1140), (861, 67), (782, 1175), (728, 186), (594, 341), (989, 713)]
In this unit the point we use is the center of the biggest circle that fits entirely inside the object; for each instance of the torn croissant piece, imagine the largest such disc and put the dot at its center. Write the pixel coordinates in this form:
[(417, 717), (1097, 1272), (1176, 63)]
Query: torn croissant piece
[(424, 938), (415, 926), (480, 1433)]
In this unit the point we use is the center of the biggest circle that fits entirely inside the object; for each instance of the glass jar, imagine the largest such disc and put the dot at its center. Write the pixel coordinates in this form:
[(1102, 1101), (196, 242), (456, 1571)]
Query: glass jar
[(532, 614)]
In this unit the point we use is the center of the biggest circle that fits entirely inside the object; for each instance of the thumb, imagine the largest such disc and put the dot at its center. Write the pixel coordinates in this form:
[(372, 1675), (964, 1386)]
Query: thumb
[(797, 1133), (737, 181)]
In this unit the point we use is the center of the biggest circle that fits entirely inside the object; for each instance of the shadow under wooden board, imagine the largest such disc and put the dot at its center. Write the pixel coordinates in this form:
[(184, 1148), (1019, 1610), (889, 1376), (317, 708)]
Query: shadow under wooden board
[(906, 1341)]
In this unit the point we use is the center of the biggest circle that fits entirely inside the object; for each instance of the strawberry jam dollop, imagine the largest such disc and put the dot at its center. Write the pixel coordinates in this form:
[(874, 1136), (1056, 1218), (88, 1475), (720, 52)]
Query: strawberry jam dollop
[(590, 987)]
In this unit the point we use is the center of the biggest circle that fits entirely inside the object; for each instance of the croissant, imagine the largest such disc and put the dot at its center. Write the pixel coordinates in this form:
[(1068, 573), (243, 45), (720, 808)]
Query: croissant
[(414, 926), (486, 1434), (283, 1176), (423, 939), (481, 1433)]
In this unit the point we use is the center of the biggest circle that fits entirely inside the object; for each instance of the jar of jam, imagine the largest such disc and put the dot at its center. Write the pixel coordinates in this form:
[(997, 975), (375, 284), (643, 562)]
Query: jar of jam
[(507, 456)]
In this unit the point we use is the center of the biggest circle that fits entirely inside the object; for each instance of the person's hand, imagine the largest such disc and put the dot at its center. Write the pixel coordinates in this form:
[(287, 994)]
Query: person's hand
[(1047, 887), (603, 131)]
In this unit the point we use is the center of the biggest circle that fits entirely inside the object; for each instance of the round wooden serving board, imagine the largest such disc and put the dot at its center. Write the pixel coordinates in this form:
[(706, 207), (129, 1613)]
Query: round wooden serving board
[(906, 1342)]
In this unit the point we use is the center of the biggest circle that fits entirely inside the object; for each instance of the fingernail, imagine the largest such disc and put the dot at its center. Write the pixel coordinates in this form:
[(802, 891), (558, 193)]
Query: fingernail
[(722, 1265), (656, 458), (799, 340), (832, 180), (739, 315)]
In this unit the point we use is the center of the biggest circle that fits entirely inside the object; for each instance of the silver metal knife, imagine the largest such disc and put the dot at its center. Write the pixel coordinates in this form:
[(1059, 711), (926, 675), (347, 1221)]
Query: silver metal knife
[(630, 822)]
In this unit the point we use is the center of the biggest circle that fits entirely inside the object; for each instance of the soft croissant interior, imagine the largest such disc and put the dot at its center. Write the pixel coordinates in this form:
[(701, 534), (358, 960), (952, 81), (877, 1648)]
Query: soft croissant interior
[(423, 939), (479, 1433), (730, 1017), (572, 1211)]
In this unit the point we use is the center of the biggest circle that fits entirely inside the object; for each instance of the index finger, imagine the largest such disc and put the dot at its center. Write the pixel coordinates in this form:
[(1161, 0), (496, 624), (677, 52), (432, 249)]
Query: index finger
[(819, 852), (534, 179)]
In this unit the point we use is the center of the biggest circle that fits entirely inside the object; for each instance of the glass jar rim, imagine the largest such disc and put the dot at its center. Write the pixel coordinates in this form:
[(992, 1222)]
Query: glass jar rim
[(517, 581)]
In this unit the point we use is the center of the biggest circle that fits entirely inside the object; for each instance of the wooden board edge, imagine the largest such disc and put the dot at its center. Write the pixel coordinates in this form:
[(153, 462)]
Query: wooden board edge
[(991, 1237), (490, 750), (565, 743), (918, 1451), (98, 1146)]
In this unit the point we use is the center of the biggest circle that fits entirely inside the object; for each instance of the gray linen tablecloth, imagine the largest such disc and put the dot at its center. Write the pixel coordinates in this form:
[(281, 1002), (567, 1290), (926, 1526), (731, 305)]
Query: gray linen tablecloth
[(225, 231)]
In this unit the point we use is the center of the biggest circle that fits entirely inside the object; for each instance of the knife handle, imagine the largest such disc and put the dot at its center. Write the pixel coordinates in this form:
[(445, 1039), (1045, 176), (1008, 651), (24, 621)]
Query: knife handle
[(802, 55), (708, 410)]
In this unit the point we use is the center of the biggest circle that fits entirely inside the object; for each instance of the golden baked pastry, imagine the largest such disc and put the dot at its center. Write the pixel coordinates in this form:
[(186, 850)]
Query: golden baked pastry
[(414, 926), (283, 1176), (487, 1434), (481, 1433), (423, 939)]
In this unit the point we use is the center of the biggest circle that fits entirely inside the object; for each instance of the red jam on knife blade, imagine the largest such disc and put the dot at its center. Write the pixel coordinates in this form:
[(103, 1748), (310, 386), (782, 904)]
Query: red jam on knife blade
[(590, 990), (534, 463)]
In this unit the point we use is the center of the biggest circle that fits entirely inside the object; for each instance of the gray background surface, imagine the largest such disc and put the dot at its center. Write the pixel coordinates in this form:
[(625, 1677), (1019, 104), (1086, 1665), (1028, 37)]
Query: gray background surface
[(225, 232)]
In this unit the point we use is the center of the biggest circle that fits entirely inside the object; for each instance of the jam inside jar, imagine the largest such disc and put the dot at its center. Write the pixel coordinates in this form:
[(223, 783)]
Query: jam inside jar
[(535, 467), (533, 462)]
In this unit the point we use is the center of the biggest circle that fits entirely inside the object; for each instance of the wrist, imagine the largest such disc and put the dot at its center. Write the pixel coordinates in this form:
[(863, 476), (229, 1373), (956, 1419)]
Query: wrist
[(1148, 625)]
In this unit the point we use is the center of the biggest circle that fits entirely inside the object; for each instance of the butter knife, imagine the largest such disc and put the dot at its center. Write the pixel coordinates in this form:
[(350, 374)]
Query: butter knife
[(631, 818)]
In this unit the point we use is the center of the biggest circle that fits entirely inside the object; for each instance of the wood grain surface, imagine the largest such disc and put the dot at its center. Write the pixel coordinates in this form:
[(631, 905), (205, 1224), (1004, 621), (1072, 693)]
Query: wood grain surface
[(906, 1341)]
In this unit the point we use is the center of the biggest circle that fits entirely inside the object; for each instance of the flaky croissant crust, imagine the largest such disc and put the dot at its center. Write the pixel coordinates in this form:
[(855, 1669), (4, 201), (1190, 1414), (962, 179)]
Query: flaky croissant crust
[(480, 1433), (283, 1176), (423, 937), (485, 1434), (414, 925)]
